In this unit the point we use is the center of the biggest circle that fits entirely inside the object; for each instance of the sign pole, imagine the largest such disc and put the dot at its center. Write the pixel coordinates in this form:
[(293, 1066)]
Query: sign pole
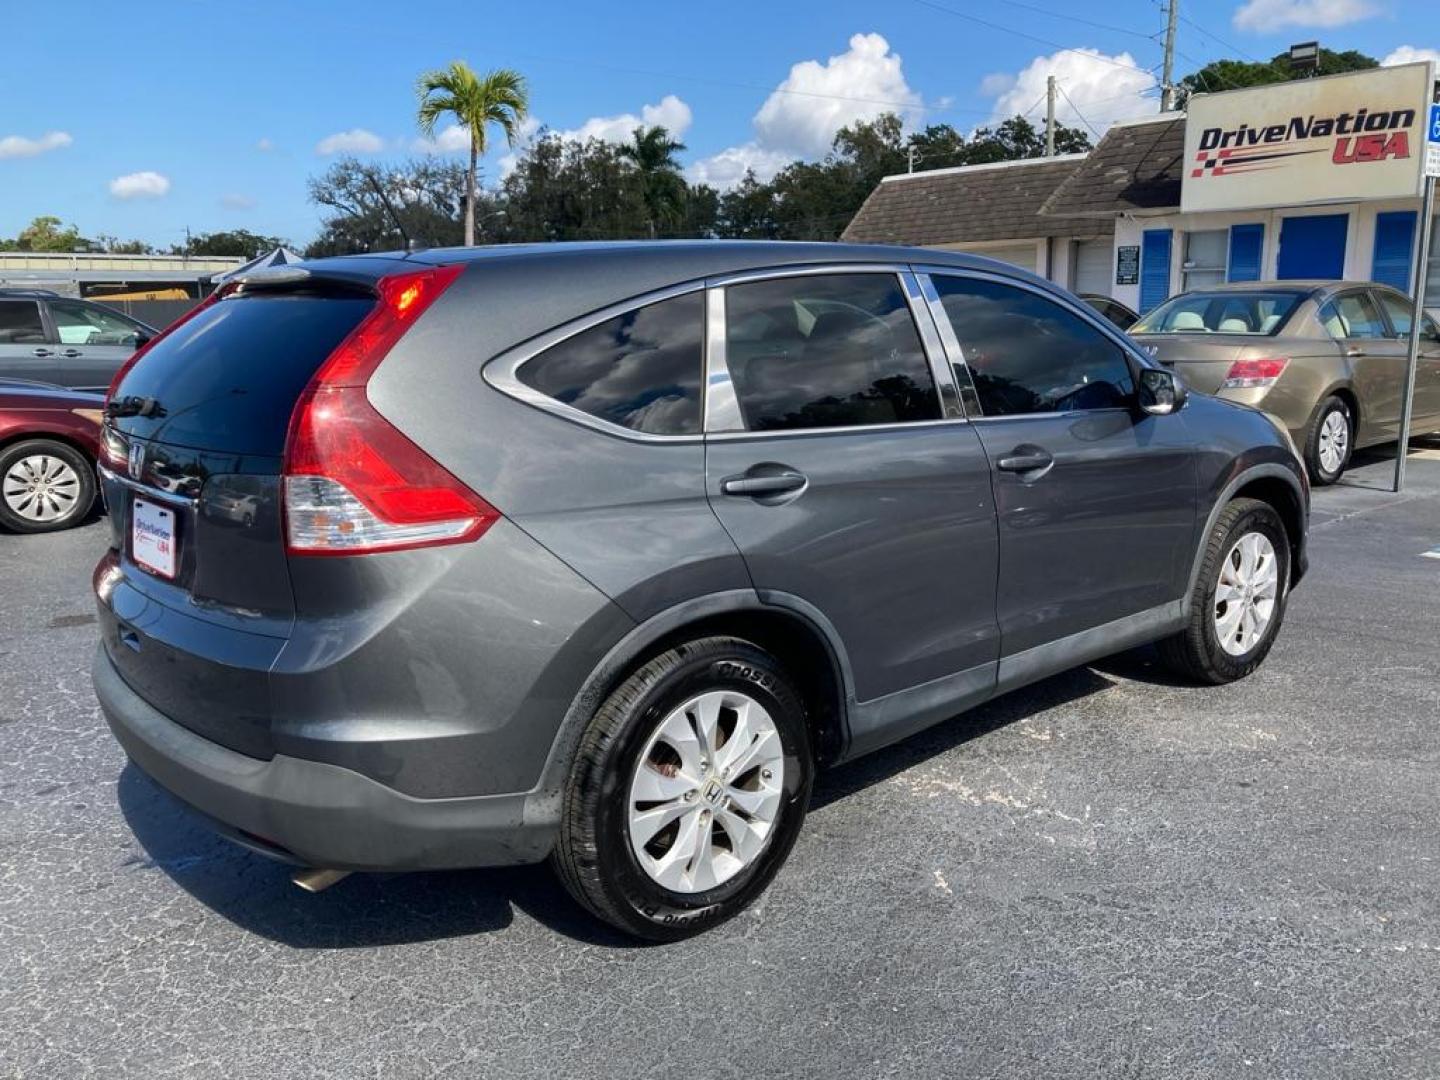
[(1417, 324)]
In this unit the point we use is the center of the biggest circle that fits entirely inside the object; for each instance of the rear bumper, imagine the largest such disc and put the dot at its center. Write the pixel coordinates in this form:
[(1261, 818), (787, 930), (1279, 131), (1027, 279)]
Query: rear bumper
[(318, 814)]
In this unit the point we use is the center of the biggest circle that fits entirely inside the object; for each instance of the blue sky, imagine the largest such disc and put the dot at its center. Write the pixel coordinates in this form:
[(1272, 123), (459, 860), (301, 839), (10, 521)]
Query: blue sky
[(213, 116)]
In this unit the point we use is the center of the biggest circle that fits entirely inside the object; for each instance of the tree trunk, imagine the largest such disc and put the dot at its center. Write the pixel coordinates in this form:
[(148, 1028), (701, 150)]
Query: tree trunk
[(470, 196)]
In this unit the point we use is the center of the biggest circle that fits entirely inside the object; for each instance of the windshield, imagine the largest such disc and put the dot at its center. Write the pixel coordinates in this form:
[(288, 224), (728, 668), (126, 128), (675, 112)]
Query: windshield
[(1260, 314)]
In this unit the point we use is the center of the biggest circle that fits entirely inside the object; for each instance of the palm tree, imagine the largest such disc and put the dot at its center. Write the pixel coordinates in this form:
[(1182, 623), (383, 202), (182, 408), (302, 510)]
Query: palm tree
[(652, 151), (501, 97)]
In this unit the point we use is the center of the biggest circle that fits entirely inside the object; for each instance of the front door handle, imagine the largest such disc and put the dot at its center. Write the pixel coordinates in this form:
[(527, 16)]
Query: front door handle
[(42, 352), (753, 486), (1025, 459), (1355, 350)]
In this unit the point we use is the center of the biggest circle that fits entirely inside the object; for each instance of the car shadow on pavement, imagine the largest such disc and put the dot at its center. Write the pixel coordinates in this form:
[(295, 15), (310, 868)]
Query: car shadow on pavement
[(844, 780), (362, 911), (367, 910)]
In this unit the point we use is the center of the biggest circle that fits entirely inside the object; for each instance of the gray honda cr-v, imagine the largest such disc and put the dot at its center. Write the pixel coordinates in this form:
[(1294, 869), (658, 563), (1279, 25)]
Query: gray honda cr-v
[(595, 553)]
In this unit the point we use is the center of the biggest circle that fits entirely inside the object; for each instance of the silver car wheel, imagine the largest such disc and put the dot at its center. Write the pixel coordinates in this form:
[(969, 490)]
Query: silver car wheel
[(1246, 594), (1334, 441), (41, 488), (706, 792)]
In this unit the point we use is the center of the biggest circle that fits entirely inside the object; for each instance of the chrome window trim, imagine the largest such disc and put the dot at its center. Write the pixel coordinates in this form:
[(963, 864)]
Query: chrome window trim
[(721, 409), (848, 429), (1078, 308), (144, 489), (502, 371), (935, 353), (720, 384)]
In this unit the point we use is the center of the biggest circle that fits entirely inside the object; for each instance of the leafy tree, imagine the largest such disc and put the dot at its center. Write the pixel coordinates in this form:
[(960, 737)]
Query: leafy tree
[(571, 190), (499, 98), (747, 211), (652, 151), (1237, 74), (239, 242), (113, 245), (45, 234), (380, 207)]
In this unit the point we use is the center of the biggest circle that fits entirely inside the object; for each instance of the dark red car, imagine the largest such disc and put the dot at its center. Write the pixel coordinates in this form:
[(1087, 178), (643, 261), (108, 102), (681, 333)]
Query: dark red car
[(49, 438)]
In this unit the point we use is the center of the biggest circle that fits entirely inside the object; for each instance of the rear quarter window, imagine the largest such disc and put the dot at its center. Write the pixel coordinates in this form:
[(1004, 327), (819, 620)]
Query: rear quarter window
[(641, 370)]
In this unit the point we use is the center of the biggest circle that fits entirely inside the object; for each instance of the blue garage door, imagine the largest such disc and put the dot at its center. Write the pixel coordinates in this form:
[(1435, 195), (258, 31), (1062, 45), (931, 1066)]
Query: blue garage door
[(1394, 239), (1154, 268), (1312, 246)]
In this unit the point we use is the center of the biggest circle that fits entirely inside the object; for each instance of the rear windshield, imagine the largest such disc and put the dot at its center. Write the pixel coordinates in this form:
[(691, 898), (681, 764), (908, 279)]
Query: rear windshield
[(228, 379), (1260, 314)]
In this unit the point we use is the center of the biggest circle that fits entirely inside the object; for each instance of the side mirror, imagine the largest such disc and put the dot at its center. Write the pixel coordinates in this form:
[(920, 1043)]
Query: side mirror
[(140, 339), (1161, 392)]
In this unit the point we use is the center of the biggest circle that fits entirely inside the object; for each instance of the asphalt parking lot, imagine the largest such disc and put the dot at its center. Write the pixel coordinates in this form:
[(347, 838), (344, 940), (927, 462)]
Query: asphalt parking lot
[(1105, 875)]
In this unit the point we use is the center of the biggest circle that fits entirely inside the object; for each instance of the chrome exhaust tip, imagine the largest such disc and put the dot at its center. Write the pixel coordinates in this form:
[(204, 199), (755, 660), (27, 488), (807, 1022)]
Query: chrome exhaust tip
[(313, 879)]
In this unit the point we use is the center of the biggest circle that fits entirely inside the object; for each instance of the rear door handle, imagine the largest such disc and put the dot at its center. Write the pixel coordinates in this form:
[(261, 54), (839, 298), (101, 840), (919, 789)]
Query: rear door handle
[(72, 353), (1355, 350), (752, 486), (1025, 459)]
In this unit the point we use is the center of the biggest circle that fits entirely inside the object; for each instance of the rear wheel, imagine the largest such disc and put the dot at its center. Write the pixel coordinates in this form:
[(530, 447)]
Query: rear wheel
[(688, 790), (44, 486), (1238, 600), (1332, 437)]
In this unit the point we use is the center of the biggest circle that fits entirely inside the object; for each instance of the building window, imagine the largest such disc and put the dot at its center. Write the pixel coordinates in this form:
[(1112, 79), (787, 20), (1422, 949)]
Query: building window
[(1204, 264)]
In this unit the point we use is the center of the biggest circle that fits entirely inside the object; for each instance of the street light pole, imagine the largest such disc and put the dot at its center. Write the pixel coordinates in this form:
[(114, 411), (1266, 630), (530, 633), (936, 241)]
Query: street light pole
[(1417, 326)]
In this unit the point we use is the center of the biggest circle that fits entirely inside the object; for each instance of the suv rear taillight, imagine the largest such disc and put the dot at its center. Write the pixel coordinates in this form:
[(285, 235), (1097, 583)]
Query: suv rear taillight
[(353, 482), (1248, 374)]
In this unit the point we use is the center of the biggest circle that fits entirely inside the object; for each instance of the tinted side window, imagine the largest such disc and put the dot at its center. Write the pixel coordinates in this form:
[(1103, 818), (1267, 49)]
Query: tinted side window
[(1027, 354), (830, 350), (640, 370), (1352, 315), (1399, 309), (20, 323)]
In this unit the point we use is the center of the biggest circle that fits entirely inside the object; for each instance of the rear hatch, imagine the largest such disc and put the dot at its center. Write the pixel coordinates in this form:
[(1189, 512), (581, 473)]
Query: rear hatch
[(1202, 360), (196, 594)]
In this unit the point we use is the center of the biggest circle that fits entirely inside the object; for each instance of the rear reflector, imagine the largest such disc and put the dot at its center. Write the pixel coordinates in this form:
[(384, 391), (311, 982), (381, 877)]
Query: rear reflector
[(1247, 374), (353, 482)]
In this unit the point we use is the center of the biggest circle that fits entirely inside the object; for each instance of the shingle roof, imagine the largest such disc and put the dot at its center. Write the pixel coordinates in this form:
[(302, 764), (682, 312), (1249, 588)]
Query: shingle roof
[(1135, 167), (970, 204)]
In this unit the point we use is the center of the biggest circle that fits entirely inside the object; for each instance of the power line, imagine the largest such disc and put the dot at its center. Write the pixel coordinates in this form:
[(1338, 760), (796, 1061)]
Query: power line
[(1089, 54), (1078, 113), (1077, 19), (1221, 41)]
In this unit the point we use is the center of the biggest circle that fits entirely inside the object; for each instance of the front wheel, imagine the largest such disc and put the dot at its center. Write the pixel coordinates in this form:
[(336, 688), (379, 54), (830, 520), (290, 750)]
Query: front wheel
[(688, 790), (1238, 600)]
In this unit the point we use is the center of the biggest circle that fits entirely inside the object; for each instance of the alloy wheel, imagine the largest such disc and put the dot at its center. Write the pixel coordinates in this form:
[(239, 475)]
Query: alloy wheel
[(41, 488), (1334, 441), (1246, 594), (707, 791)]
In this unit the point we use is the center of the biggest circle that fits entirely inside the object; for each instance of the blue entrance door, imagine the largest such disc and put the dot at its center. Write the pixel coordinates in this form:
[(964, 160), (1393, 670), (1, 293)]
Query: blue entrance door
[(1312, 246)]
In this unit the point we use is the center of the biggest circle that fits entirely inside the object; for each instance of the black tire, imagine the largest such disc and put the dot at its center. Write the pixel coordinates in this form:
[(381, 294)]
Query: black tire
[(1320, 475), (593, 856), (1196, 652), (85, 497)]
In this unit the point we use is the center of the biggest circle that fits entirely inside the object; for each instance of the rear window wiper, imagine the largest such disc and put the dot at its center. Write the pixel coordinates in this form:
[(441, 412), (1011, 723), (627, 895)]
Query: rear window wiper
[(134, 405)]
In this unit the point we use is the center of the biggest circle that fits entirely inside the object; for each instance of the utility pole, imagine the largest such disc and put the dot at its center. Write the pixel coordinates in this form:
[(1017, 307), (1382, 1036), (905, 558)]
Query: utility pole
[(1167, 84), (1050, 116)]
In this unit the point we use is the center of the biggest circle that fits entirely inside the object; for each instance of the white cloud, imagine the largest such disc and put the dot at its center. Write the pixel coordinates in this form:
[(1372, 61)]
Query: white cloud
[(237, 202), (996, 83), (1410, 54), (671, 113), (801, 116), (728, 167), (451, 140), (816, 100), (1268, 16), (17, 146), (265, 145), (140, 185), (354, 141), (1103, 89)]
